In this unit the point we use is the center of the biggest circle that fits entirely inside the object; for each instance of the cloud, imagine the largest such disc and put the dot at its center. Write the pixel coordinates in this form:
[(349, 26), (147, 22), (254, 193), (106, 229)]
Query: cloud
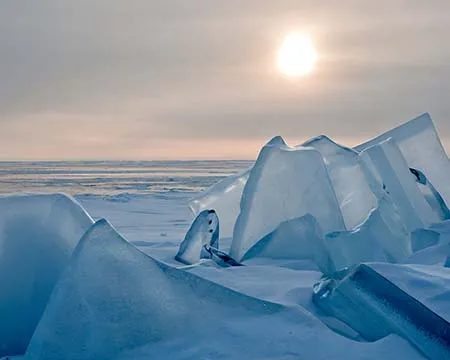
[(110, 78)]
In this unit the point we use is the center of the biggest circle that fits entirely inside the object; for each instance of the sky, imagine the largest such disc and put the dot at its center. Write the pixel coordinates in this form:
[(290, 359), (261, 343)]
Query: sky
[(168, 79)]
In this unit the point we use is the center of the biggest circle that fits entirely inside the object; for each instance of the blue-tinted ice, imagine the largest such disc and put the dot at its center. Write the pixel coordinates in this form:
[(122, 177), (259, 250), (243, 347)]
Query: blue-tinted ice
[(204, 232), (375, 307), (320, 206), (224, 197), (422, 149), (115, 302), (353, 192), (37, 236), (386, 162), (297, 239), (284, 184), (431, 195)]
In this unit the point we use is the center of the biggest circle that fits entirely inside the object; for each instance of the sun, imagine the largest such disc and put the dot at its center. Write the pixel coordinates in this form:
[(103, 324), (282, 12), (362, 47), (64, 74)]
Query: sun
[(297, 55)]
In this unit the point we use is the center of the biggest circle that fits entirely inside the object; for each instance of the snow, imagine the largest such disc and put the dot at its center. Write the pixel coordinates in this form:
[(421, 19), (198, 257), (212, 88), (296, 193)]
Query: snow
[(145, 308), (108, 273), (343, 254), (380, 299), (415, 278)]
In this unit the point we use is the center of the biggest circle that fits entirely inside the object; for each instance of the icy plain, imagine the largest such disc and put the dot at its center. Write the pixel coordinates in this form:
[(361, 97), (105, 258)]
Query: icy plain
[(345, 255)]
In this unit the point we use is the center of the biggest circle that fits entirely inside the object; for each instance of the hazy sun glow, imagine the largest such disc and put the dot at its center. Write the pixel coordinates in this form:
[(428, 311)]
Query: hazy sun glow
[(296, 55)]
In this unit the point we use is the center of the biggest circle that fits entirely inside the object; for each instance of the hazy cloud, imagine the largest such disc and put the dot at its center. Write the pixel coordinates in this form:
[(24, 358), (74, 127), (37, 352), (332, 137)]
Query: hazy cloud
[(131, 79)]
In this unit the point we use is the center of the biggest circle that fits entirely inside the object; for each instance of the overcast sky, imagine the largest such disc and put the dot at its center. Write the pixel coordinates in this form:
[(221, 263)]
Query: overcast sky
[(140, 79)]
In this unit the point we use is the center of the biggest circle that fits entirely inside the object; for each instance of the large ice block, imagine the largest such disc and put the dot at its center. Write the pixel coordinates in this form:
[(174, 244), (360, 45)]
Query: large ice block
[(382, 237), (348, 177), (386, 159), (285, 183), (422, 149), (375, 307), (296, 239), (224, 197), (115, 302), (428, 284), (114, 298), (37, 236)]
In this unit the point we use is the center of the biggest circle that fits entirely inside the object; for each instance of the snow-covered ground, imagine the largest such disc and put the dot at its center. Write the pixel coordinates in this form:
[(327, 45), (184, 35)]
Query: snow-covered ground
[(344, 252)]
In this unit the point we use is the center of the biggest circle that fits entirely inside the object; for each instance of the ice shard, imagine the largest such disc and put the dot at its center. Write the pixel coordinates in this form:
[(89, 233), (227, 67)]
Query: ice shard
[(423, 238), (382, 237), (221, 258), (297, 239), (224, 197), (349, 180), (387, 160), (375, 307), (113, 299), (431, 254), (422, 149), (285, 183), (37, 236), (115, 302), (204, 231), (432, 196)]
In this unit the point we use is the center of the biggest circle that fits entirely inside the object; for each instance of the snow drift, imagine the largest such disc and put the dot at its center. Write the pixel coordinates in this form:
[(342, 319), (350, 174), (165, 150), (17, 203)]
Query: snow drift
[(113, 301), (336, 253)]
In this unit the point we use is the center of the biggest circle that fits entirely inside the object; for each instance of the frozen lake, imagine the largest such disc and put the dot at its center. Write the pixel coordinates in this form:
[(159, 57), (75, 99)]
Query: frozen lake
[(147, 201), (114, 177)]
